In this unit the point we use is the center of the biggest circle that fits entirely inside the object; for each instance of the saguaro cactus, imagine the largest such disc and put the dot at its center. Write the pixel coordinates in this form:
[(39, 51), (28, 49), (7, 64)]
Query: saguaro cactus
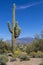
[(15, 30)]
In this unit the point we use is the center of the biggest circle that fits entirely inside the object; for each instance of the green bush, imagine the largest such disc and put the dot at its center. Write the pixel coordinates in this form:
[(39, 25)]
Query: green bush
[(36, 54), (23, 57), (17, 53), (39, 54), (41, 63), (28, 48), (32, 54), (3, 59)]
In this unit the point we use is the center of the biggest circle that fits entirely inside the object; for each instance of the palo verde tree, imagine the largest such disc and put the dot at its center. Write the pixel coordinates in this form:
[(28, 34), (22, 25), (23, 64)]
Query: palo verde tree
[(15, 30)]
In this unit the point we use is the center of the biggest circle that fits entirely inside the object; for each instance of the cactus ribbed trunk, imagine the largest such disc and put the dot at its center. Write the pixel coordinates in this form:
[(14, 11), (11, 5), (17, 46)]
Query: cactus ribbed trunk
[(13, 43), (13, 25)]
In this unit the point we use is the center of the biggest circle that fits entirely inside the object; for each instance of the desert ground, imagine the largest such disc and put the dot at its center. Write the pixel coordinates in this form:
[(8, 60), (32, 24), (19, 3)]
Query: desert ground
[(33, 61)]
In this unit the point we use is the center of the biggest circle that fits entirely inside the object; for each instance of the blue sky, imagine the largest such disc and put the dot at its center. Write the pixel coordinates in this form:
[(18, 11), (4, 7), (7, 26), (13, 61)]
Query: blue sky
[(29, 14)]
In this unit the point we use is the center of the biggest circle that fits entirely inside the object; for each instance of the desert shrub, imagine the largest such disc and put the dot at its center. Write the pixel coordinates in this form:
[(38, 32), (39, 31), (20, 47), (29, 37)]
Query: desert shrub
[(23, 57), (37, 44), (3, 59), (36, 54), (32, 54), (39, 54), (28, 48), (41, 63), (5, 47), (16, 53)]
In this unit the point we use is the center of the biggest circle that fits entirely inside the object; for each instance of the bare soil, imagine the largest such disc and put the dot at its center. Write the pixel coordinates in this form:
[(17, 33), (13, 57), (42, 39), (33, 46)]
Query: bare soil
[(32, 61)]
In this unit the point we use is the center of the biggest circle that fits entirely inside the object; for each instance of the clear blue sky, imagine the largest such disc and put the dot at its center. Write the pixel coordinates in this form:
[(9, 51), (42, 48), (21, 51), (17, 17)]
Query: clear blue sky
[(29, 14)]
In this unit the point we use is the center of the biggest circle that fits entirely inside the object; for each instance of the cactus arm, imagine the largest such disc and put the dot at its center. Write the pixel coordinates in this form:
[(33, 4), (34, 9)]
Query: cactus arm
[(19, 31), (9, 27)]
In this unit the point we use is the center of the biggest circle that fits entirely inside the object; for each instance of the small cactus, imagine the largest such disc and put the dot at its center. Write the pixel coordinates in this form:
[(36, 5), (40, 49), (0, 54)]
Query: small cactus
[(15, 30)]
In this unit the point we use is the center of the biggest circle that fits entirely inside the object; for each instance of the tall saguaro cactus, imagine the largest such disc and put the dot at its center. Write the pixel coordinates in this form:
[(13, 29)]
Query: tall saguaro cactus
[(15, 30)]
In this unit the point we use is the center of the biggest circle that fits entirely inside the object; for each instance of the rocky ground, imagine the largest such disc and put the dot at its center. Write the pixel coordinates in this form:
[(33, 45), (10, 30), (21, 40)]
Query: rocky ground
[(33, 61)]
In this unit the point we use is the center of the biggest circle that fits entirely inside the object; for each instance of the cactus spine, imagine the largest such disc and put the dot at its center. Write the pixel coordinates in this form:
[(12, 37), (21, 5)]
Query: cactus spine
[(15, 30)]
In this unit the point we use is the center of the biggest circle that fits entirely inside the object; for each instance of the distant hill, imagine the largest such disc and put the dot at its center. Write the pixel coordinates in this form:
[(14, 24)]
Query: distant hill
[(24, 40)]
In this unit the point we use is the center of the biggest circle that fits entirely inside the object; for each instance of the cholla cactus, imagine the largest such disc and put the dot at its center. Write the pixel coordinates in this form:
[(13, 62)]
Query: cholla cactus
[(15, 30)]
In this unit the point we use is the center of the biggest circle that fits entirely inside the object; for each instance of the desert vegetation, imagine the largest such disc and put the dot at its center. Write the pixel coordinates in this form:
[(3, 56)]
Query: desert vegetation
[(15, 30), (22, 52), (13, 52)]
